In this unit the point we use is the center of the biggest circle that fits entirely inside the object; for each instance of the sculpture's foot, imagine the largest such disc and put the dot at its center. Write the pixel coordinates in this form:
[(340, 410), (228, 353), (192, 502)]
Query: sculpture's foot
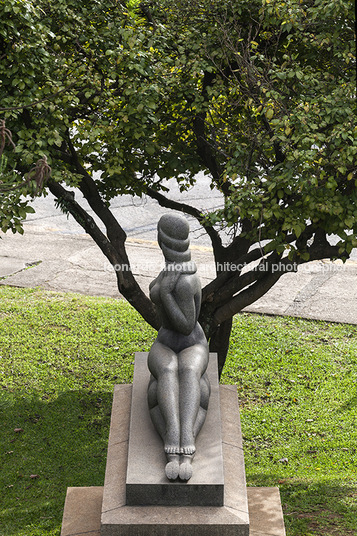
[(172, 441), (187, 443), (188, 450), (186, 470), (172, 468), (170, 449)]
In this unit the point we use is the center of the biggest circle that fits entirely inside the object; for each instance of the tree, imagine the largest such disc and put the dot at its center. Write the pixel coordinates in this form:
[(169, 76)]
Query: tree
[(260, 95)]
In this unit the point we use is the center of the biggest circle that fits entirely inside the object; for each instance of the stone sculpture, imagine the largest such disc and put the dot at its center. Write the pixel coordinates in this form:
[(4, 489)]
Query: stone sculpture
[(179, 390)]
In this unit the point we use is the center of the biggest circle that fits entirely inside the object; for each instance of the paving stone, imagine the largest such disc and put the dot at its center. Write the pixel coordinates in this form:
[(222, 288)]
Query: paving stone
[(265, 512), (82, 511), (83, 505)]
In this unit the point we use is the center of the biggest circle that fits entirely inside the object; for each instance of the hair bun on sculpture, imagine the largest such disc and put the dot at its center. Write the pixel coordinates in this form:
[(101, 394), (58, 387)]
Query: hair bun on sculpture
[(173, 231)]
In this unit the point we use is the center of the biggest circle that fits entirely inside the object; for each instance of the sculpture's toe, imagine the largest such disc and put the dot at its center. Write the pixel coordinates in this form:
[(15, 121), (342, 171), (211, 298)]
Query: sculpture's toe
[(188, 450), (172, 470), (169, 449), (186, 471)]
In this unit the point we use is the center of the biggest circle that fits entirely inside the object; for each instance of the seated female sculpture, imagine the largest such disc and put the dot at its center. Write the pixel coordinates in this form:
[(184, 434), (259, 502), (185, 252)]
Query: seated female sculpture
[(179, 390)]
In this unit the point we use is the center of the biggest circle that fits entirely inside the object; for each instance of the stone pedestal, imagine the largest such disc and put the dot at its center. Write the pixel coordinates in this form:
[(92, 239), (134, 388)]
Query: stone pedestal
[(104, 511), (146, 483)]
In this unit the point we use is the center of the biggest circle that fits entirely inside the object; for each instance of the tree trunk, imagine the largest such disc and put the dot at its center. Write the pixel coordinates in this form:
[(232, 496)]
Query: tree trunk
[(219, 342)]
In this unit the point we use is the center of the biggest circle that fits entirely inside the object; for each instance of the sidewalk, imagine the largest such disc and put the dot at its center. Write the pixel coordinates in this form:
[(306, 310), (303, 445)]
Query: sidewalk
[(73, 263)]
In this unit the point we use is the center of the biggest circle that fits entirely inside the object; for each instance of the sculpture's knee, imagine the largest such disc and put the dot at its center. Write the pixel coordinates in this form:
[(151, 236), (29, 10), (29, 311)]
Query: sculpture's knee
[(168, 367), (190, 370)]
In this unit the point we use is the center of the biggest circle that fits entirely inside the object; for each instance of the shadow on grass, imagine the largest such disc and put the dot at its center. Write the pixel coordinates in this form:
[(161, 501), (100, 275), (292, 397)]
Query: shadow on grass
[(322, 508), (348, 405), (47, 446), (62, 442)]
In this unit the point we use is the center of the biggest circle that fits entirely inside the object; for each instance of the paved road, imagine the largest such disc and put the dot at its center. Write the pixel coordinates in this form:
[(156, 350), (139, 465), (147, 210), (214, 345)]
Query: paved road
[(138, 216), (62, 258)]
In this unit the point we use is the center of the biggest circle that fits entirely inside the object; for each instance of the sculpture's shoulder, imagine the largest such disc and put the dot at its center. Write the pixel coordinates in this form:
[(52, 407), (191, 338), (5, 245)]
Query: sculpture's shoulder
[(188, 284)]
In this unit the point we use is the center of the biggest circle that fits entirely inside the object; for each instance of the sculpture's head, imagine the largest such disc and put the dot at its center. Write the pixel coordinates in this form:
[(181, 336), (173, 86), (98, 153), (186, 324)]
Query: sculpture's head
[(173, 231)]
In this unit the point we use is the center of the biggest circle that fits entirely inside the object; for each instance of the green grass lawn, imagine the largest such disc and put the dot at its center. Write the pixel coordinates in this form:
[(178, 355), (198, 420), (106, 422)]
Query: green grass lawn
[(61, 354)]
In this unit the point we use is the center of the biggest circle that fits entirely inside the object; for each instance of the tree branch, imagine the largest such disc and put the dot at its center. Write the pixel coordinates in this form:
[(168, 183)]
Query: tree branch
[(235, 284), (204, 147), (127, 284), (242, 261), (67, 203), (39, 101), (264, 282), (322, 249), (325, 251), (115, 232)]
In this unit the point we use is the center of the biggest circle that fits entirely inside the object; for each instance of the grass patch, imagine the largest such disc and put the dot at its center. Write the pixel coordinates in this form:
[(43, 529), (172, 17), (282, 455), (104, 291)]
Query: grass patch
[(297, 384), (61, 354)]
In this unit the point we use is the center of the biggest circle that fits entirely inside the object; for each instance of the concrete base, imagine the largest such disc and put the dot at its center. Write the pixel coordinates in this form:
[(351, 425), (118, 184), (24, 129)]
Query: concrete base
[(103, 511), (118, 518), (83, 507), (146, 483)]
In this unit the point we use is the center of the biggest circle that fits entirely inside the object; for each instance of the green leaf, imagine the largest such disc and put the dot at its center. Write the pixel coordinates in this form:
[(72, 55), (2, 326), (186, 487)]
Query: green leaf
[(297, 230), (29, 210), (150, 149), (349, 222)]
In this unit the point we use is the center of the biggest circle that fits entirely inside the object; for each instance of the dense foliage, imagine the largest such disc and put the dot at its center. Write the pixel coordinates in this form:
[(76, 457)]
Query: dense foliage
[(260, 95)]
